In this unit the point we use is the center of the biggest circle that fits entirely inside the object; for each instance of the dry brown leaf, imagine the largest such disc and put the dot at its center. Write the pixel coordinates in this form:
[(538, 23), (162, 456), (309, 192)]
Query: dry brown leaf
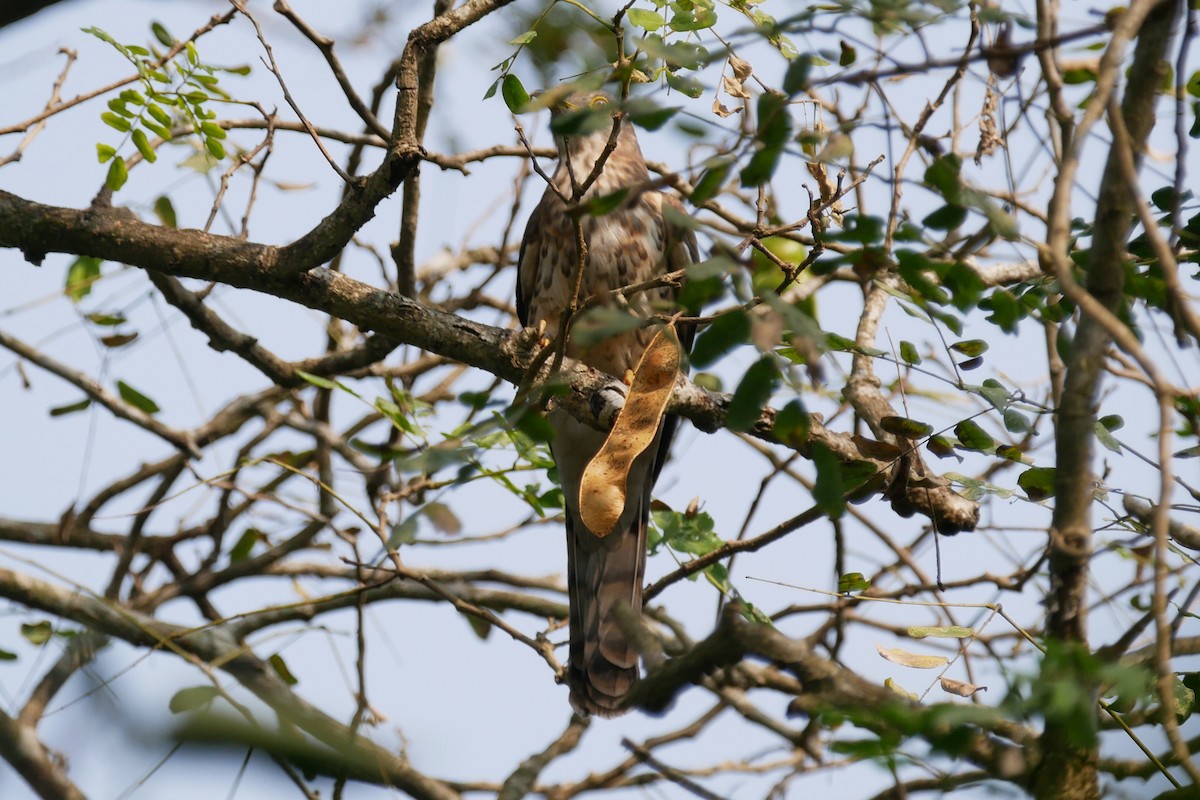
[(960, 688), (741, 68), (734, 88), (602, 489), (722, 110), (907, 659)]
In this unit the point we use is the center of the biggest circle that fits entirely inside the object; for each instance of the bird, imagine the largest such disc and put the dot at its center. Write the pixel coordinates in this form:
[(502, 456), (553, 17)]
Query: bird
[(635, 242)]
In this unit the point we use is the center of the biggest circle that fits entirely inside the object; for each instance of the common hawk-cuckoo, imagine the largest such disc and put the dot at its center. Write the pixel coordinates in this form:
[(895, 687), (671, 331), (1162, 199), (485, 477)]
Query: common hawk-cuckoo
[(631, 244)]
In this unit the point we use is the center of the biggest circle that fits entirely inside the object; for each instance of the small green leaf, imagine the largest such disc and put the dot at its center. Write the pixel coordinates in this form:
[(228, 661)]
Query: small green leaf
[(245, 543), (1105, 437), (62, 411), (157, 112), (115, 121), (193, 56), (281, 669), (973, 437), (726, 332), (971, 347), (37, 633), (1038, 482), (136, 399), (192, 698), (852, 582), (524, 38), (908, 428), (1016, 422), (481, 627), (909, 354), (83, 272), (213, 130), (165, 211), (315, 380), (514, 94), (7, 656), (104, 152), (646, 20), (162, 35), (829, 491), (711, 180), (752, 393), (602, 322), (946, 218), (117, 174), (143, 146), (605, 203), (215, 147), (941, 447)]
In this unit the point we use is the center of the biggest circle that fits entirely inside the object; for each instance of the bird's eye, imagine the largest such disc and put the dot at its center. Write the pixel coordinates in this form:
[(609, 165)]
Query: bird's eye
[(599, 102)]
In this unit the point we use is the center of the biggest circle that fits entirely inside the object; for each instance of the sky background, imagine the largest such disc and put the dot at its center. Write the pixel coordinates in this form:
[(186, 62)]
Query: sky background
[(428, 673)]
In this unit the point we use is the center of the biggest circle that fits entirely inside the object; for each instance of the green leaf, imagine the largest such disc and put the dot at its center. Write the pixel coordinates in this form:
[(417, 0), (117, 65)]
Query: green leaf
[(62, 411), (7, 656), (852, 582), (685, 84), (315, 380), (941, 447), (104, 152), (909, 354), (1038, 482), (193, 56), (37, 633), (849, 54), (192, 698), (136, 399), (143, 146), (752, 393), (726, 332), (165, 211), (795, 80), (602, 322), (481, 627), (157, 112), (1105, 437), (711, 180), (829, 492), (117, 174), (646, 20), (645, 113), (281, 669), (971, 347), (213, 130), (973, 437), (1016, 422), (605, 203), (83, 272), (946, 218), (115, 121), (524, 38), (162, 35), (215, 147), (514, 94), (245, 543), (908, 428)]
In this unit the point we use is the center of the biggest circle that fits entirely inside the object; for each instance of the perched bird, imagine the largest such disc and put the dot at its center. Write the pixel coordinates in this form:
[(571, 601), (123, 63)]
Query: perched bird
[(631, 244)]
